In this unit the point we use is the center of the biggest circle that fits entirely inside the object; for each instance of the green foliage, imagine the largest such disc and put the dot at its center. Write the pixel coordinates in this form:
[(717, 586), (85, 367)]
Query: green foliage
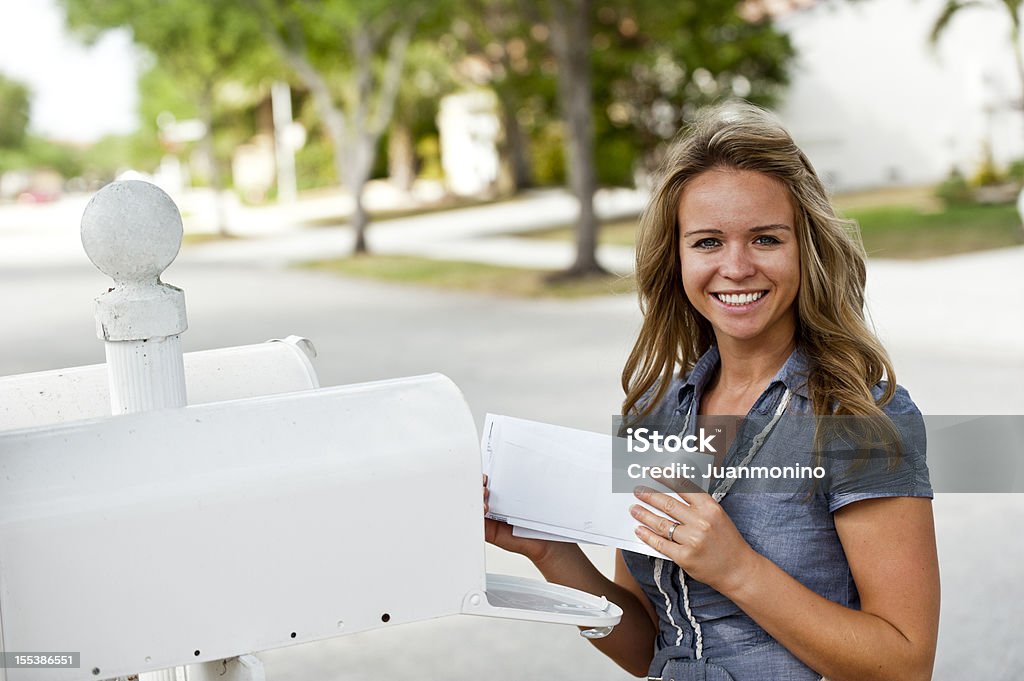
[(428, 151), (201, 50), (37, 153), (159, 92), (548, 155), (987, 173), (427, 77), (653, 65), (14, 113), (954, 190), (1015, 171), (314, 163), (116, 153), (616, 155), (197, 41)]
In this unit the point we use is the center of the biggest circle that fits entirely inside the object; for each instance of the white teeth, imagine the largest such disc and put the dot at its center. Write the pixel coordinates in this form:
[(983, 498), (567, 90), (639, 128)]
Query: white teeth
[(739, 298)]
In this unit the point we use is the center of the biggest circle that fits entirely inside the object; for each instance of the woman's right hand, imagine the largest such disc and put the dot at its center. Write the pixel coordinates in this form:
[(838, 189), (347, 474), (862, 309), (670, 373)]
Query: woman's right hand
[(500, 534)]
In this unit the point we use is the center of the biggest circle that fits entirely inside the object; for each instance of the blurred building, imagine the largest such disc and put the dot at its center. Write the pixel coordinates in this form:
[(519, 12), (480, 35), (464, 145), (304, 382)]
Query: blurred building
[(470, 131), (873, 103)]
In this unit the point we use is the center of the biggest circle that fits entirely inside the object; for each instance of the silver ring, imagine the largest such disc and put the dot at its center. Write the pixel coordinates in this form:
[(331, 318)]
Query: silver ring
[(672, 530)]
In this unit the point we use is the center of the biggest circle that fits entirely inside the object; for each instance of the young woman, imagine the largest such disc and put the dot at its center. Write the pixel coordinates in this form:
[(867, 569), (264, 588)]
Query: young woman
[(752, 292)]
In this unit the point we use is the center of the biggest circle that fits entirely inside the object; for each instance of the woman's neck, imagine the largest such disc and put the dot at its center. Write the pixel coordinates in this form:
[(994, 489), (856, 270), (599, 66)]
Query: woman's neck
[(743, 373)]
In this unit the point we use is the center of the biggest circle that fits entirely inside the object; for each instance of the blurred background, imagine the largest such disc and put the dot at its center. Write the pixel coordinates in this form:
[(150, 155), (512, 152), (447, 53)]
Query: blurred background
[(453, 186)]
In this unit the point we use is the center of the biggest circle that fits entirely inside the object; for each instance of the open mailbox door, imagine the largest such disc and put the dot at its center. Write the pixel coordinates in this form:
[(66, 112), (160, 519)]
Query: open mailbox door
[(164, 538)]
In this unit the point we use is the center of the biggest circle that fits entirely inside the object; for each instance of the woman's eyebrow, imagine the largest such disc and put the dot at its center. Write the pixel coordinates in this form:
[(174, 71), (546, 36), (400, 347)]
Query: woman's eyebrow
[(752, 230), (768, 228)]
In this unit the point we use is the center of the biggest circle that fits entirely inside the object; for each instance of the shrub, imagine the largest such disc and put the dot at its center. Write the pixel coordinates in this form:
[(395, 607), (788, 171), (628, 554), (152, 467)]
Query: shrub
[(987, 174), (954, 190)]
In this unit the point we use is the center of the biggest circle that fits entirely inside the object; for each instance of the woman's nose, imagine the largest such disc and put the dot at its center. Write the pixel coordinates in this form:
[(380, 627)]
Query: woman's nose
[(736, 264)]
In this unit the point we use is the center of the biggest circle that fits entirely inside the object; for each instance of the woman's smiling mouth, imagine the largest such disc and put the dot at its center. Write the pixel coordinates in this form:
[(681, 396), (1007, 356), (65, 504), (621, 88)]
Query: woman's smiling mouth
[(739, 299)]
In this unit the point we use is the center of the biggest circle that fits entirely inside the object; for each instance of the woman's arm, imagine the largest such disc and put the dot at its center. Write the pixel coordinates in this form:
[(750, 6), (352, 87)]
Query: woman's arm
[(631, 643), (890, 546)]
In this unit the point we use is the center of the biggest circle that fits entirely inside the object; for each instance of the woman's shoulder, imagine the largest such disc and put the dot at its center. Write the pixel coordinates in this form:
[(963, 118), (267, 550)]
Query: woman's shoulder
[(667, 400), (901, 403), (904, 472)]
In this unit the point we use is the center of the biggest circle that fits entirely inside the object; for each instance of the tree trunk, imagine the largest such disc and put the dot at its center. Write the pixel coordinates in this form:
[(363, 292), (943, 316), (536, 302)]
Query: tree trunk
[(359, 167), (401, 157), (354, 136), (360, 220), (570, 36), (515, 146), (216, 181), (366, 127)]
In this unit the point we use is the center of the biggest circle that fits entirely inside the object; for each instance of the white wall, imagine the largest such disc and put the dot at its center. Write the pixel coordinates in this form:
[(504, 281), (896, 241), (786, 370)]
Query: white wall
[(872, 103)]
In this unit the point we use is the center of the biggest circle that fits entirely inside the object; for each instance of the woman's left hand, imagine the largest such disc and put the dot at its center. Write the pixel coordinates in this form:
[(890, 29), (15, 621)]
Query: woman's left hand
[(705, 543)]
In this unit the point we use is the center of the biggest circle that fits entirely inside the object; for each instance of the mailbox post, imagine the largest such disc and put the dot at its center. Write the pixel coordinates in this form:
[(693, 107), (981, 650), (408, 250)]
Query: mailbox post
[(132, 231)]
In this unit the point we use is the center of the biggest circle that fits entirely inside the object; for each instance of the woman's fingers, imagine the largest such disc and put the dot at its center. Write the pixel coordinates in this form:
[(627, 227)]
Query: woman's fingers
[(674, 508), (677, 485), (660, 524), (657, 542)]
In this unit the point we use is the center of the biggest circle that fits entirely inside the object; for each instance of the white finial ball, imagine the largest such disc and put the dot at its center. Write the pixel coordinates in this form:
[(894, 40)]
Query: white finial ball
[(131, 231)]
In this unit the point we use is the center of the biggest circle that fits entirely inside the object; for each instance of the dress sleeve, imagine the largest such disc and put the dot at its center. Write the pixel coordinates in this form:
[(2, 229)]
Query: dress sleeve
[(857, 474)]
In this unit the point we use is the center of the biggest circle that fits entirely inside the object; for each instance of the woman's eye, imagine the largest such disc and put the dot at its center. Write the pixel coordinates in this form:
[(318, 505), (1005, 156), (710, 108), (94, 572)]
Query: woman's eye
[(706, 243), (766, 240)]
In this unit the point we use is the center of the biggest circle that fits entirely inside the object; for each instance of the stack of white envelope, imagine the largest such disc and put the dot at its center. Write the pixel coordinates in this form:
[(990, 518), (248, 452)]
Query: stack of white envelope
[(553, 482)]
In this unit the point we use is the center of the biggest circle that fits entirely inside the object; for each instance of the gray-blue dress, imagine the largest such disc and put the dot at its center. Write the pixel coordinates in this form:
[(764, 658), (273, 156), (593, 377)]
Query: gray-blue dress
[(702, 634)]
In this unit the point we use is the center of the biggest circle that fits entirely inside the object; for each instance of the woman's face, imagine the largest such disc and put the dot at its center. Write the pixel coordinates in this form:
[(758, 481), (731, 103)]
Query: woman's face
[(739, 255)]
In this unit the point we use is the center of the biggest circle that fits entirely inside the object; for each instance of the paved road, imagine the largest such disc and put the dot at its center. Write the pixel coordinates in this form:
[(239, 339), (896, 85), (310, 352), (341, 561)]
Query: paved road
[(953, 328)]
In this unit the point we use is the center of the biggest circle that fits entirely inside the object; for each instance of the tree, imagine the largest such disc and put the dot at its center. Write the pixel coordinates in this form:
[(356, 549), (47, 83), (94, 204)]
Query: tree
[(570, 43), (349, 54), (490, 42), (1013, 13), (15, 106), (201, 43), (426, 79), (628, 73)]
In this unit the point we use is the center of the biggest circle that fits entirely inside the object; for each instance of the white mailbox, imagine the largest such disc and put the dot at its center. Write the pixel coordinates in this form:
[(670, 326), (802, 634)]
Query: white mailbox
[(171, 535)]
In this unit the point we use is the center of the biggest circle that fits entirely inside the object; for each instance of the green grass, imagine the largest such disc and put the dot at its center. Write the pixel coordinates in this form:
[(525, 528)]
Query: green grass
[(494, 279), (909, 232)]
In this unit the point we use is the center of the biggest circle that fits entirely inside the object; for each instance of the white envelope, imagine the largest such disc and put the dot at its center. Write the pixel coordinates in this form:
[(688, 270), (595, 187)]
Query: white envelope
[(557, 481)]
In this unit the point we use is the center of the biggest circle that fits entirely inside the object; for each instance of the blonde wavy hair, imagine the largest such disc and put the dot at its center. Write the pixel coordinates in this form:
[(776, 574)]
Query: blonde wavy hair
[(845, 357)]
